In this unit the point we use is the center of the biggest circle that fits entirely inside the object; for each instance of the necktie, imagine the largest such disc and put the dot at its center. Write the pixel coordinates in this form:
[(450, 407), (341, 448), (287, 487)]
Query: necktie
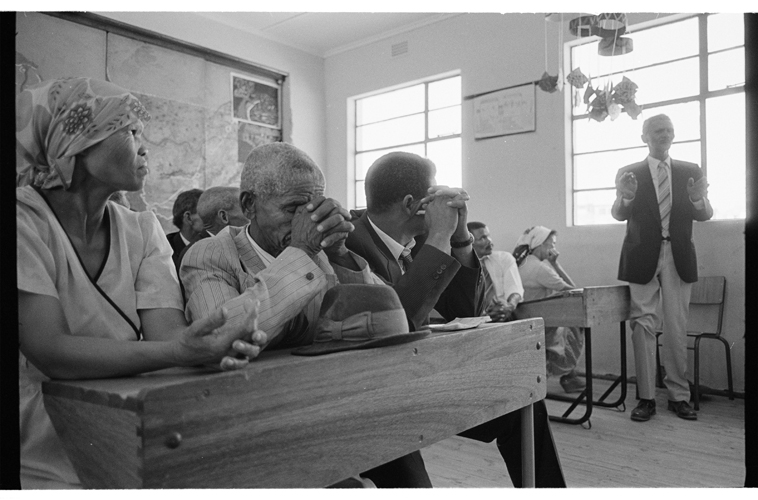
[(406, 260), (664, 197)]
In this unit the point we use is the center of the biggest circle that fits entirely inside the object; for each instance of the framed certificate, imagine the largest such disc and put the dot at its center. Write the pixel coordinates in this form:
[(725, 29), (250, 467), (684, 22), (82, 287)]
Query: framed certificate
[(505, 112)]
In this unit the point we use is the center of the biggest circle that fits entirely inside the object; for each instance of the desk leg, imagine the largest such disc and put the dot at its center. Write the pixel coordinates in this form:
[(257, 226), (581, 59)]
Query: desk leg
[(527, 447), (621, 379), (585, 395)]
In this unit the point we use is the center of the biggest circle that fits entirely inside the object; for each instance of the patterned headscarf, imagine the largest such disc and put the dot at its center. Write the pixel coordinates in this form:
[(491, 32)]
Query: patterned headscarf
[(58, 119), (529, 240)]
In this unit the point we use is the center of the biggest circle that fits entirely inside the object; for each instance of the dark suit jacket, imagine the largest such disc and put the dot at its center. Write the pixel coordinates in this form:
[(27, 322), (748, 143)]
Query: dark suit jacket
[(435, 279), (177, 244), (642, 243)]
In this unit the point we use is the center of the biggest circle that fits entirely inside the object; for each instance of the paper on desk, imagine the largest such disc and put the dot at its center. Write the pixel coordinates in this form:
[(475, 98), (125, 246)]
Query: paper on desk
[(460, 324)]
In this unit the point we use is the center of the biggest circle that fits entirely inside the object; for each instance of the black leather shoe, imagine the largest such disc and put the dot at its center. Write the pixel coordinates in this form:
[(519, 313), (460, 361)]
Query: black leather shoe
[(645, 409), (682, 410)]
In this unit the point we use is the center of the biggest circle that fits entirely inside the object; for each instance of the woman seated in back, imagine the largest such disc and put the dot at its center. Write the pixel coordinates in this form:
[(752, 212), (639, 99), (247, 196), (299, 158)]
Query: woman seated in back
[(94, 277), (542, 275)]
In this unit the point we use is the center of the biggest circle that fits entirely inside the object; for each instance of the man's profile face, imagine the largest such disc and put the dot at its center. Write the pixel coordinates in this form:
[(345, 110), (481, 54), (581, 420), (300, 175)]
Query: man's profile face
[(482, 243), (273, 215)]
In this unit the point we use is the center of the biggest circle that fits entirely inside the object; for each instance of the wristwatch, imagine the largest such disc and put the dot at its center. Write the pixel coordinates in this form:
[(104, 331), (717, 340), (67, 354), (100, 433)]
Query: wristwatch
[(464, 243)]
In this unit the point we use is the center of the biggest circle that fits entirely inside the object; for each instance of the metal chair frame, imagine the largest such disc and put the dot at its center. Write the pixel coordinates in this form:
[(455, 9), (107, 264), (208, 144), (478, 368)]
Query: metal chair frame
[(703, 294)]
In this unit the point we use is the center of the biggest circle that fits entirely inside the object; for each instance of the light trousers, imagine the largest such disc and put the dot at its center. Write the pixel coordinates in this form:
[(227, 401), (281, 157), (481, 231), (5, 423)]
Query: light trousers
[(666, 292)]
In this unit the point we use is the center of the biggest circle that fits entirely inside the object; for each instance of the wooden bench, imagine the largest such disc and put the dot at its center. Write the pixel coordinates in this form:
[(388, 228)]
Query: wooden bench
[(288, 421)]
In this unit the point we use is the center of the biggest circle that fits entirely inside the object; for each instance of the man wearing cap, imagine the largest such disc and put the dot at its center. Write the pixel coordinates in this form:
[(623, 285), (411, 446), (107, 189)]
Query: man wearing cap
[(502, 283), (659, 198), (414, 235), (542, 275), (287, 256)]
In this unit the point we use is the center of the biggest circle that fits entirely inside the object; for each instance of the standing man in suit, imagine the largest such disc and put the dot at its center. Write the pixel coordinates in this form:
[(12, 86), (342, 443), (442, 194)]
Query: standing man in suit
[(186, 219), (414, 236), (659, 198)]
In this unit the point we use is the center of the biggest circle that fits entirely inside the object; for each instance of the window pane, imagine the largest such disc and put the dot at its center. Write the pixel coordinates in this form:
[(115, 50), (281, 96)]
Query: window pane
[(446, 155), (598, 170), (445, 93), (648, 49), (398, 131), (726, 69), (726, 155), (687, 151), (444, 122), (390, 105), (594, 207), (364, 160), (360, 194), (591, 135), (667, 81), (725, 30)]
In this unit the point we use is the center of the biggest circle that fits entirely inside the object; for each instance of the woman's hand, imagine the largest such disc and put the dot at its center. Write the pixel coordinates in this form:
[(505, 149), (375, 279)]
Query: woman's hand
[(211, 339)]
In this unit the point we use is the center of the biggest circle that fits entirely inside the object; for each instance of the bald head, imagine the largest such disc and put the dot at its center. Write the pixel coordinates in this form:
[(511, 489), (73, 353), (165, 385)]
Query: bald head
[(219, 207)]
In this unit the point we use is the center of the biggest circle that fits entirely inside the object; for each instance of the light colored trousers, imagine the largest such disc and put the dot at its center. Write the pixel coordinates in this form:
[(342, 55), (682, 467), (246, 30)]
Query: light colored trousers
[(668, 291)]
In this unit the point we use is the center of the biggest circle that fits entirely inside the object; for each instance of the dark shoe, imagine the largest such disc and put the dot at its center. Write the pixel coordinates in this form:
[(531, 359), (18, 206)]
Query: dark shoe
[(645, 409), (572, 383), (682, 410)]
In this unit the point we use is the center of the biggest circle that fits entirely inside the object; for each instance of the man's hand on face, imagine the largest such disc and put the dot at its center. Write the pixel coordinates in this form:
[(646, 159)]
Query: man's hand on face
[(332, 222), (441, 217), (455, 198)]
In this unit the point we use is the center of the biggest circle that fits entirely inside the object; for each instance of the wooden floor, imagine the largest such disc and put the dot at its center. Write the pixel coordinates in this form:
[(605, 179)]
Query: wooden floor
[(616, 452)]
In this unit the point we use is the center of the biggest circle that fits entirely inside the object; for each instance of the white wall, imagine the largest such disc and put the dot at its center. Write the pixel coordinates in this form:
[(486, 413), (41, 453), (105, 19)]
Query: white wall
[(518, 181), (304, 126)]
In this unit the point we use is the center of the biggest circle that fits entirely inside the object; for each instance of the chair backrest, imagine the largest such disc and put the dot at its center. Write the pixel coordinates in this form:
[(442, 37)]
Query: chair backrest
[(707, 305)]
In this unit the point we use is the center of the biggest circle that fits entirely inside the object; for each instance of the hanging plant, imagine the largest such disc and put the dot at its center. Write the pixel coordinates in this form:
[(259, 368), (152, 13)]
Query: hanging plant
[(612, 103)]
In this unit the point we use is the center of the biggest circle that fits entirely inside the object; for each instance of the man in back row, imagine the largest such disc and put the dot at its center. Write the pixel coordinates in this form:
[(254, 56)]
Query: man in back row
[(502, 289), (408, 216)]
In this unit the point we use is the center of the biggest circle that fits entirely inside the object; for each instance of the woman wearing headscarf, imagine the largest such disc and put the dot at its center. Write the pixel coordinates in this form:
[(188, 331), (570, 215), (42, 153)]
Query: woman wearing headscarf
[(93, 276), (541, 276)]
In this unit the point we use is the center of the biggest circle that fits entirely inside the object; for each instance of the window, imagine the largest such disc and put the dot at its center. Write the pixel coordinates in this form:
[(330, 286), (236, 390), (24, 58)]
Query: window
[(693, 70), (422, 118)]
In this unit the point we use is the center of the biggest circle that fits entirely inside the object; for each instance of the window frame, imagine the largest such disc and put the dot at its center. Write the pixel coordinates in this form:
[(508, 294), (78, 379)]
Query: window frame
[(352, 127), (701, 98)]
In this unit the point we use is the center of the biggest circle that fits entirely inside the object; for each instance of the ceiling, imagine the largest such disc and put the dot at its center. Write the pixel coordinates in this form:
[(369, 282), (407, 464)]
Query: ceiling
[(324, 33)]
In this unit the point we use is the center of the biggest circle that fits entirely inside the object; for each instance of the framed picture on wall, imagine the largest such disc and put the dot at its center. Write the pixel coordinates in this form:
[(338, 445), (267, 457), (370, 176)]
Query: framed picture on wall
[(504, 112), (256, 101)]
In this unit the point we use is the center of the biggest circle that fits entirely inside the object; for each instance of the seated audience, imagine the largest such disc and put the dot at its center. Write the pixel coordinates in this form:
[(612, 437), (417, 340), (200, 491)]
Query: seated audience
[(95, 277), (187, 220), (217, 207), (414, 236), (290, 253), (542, 275), (502, 289)]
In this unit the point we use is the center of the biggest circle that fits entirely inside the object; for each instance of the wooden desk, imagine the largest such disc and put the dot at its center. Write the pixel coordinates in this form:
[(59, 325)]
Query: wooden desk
[(288, 421), (585, 307)]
